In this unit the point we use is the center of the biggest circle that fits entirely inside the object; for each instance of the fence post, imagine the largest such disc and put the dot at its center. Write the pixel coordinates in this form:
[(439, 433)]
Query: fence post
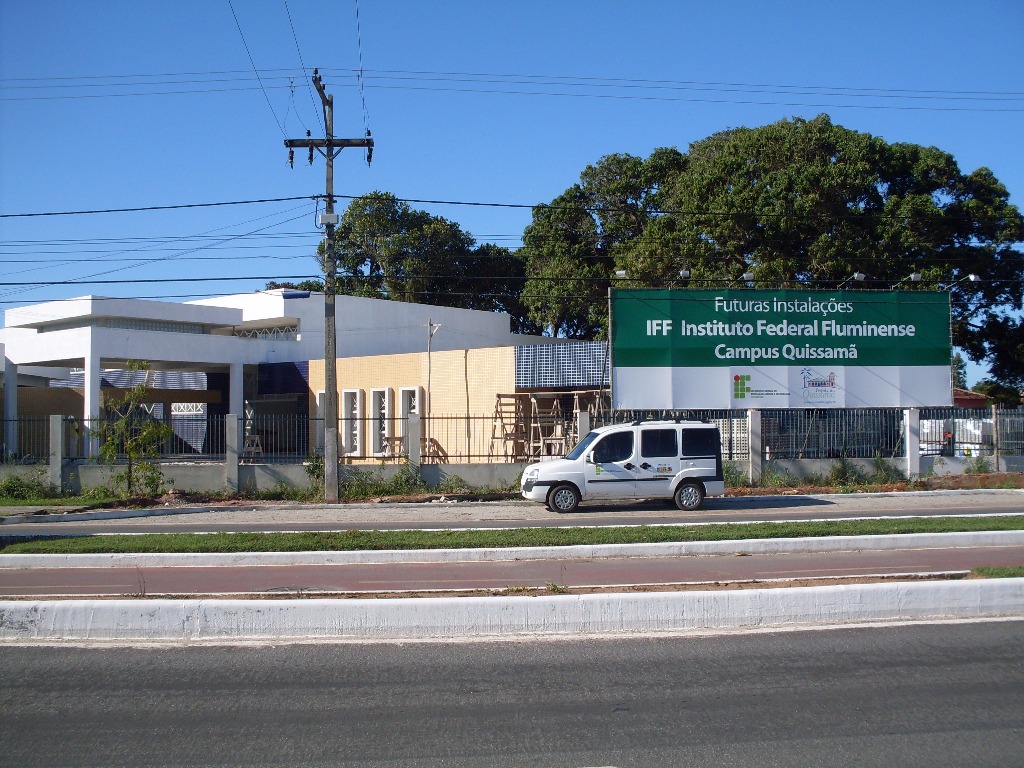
[(995, 437), (754, 439), (232, 450), (912, 441), (413, 438), (57, 452)]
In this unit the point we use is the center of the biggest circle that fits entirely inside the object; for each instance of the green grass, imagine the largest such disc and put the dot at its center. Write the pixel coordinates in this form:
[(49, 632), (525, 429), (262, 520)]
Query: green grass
[(1009, 572), (354, 540)]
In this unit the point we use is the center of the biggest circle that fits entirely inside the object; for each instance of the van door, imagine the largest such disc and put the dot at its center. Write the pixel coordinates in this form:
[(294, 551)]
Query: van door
[(610, 469), (658, 462), (702, 453)]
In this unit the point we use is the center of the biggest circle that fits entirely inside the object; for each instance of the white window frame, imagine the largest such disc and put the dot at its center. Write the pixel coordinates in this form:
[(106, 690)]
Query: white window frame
[(406, 397), (382, 413), (352, 417)]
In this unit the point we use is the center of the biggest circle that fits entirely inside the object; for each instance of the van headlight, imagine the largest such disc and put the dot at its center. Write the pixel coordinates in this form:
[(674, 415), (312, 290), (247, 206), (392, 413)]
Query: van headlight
[(531, 474)]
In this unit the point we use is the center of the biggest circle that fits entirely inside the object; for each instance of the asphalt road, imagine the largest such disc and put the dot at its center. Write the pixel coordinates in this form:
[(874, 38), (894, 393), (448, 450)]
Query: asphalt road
[(936, 695), (383, 516)]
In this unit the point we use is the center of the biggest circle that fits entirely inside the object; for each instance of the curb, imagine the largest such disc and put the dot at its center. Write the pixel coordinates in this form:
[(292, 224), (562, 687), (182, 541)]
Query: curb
[(573, 552), (233, 621)]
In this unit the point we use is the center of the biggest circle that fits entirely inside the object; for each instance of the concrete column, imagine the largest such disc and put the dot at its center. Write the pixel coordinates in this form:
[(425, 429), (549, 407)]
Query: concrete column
[(236, 391), (10, 436), (91, 401), (582, 425), (413, 436), (232, 450), (912, 440), (56, 477), (756, 447), (996, 437)]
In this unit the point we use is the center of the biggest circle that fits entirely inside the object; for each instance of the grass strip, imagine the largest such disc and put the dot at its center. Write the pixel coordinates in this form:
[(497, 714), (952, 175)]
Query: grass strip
[(354, 540), (996, 572)]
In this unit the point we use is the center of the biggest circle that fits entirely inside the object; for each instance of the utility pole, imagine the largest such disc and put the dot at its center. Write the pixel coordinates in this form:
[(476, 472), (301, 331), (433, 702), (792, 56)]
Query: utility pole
[(330, 148)]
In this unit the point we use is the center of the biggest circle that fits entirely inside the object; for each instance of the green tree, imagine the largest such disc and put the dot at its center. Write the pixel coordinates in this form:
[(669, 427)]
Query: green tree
[(958, 369), (386, 249), (1002, 394), (797, 203), (314, 286), (130, 435), (573, 245)]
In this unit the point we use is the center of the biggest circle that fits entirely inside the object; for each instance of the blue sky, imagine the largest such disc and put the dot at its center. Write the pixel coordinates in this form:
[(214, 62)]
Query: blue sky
[(122, 104)]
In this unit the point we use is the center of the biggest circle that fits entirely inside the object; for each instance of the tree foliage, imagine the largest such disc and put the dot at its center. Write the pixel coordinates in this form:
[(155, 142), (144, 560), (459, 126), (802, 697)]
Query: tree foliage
[(1006, 396), (387, 250), (797, 203), (129, 436)]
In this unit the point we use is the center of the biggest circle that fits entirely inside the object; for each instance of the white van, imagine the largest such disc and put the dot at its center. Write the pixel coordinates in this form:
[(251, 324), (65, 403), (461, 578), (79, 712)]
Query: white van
[(678, 460)]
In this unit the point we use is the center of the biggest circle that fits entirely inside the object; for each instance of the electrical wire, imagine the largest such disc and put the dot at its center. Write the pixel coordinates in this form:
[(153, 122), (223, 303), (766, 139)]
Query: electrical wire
[(251, 61)]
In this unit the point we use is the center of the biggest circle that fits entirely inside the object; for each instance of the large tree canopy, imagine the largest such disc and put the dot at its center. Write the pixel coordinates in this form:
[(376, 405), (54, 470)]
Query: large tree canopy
[(797, 203), (386, 249)]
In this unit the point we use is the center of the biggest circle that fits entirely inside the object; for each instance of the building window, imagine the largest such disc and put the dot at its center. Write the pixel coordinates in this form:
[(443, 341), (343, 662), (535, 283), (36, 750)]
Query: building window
[(352, 422), (381, 407)]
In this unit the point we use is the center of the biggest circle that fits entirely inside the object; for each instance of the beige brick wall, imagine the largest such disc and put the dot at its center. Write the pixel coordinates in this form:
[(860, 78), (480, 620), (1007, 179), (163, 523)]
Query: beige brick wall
[(461, 381)]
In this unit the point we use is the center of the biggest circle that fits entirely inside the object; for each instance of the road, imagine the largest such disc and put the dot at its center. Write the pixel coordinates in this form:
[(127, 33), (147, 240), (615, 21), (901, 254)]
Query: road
[(937, 695), (319, 517)]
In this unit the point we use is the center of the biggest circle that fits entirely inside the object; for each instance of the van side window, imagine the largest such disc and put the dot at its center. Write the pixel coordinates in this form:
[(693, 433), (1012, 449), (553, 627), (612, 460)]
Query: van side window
[(657, 443), (617, 446), (700, 442)]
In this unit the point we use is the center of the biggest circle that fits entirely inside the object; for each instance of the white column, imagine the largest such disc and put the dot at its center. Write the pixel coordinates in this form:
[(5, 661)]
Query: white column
[(10, 436), (756, 445), (912, 440), (236, 392), (91, 399)]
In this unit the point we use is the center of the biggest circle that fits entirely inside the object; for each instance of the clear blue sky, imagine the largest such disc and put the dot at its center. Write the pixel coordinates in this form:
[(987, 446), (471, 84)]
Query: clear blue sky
[(132, 103)]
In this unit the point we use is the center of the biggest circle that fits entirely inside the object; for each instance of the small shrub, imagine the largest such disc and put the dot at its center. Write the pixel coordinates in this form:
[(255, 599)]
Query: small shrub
[(977, 465), (24, 488), (772, 478), (452, 484), (844, 472), (885, 472), (359, 484), (735, 476)]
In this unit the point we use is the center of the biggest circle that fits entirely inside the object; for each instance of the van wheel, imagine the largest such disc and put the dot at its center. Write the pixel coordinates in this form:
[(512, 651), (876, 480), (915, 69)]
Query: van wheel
[(689, 496), (563, 498)]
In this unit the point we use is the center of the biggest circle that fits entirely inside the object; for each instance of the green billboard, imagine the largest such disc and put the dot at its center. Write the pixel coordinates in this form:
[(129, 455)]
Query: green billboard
[(781, 348)]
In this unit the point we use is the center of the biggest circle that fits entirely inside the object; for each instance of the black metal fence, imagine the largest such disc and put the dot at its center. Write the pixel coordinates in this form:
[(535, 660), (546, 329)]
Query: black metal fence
[(785, 434)]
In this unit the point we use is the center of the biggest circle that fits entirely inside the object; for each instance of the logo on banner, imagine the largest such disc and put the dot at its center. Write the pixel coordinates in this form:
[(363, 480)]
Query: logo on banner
[(819, 389), (740, 388)]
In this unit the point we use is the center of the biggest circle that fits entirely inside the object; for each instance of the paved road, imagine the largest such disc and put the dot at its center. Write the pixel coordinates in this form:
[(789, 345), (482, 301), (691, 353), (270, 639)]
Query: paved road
[(192, 578), (935, 696), (319, 517)]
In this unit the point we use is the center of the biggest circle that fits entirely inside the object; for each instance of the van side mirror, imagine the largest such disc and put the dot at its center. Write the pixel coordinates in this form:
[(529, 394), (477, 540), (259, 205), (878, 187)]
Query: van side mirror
[(589, 457)]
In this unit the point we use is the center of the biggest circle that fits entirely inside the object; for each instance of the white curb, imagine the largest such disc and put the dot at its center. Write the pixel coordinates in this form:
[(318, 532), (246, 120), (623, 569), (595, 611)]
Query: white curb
[(582, 551), (226, 621)]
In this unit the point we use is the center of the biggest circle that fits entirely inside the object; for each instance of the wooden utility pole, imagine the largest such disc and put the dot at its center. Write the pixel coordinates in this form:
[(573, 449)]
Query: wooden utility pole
[(329, 147)]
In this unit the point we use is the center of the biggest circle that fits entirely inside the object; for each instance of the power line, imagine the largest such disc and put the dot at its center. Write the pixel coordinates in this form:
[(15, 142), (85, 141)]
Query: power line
[(249, 54), (139, 209), (302, 64)]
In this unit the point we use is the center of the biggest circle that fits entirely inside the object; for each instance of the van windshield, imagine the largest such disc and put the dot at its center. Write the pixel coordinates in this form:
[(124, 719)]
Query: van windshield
[(582, 445)]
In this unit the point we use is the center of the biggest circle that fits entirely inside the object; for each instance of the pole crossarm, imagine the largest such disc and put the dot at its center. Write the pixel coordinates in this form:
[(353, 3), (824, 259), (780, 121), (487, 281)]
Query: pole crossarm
[(327, 143)]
